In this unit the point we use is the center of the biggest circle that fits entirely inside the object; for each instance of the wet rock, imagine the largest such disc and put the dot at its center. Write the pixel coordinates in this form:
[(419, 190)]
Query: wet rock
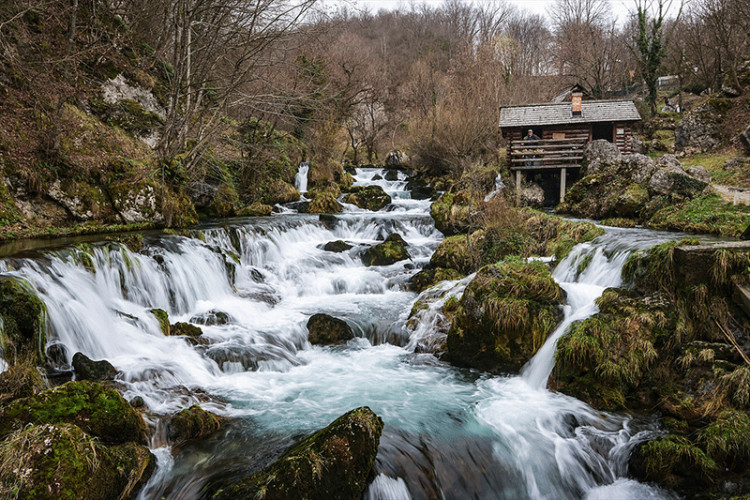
[(335, 462), (328, 220), (391, 175), (137, 402), (427, 278), (451, 212), (368, 197), (337, 246), (185, 330), (257, 209), (87, 369), (327, 330), (193, 423), (397, 159), (96, 409), (600, 156), (422, 192), (630, 202), (392, 250), (454, 253), (504, 316), (211, 318), (61, 461), (697, 131), (377, 177), (323, 202), (57, 357), (20, 381), (700, 173), (23, 317), (282, 192), (163, 318), (679, 184)]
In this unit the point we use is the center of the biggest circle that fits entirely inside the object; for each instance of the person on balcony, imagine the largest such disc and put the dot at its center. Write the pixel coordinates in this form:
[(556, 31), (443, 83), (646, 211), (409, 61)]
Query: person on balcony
[(530, 141)]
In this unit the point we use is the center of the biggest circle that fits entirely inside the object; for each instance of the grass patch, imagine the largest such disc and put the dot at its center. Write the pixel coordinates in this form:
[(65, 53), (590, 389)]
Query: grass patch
[(707, 214)]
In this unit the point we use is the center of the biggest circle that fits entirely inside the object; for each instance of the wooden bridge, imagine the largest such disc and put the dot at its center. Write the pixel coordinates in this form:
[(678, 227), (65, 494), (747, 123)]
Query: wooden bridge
[(544, 154)]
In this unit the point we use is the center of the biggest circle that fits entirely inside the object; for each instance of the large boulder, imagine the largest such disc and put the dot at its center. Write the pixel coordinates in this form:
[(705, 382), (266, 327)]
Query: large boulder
[(700, 173), (193, 423), (96, 409), (335, 462), (600, 156), (697, 132), (630, 202), (451, 212), (670, 163), (23, 321), (504, 316), (87, 369), (454, 252), (637, 168), (675, 184), (282, 192), (427, 278), (392, 250), (397, 159), (50, 462), (532, 195), (337, 246), (20, 381), (326, 330), (324, 202), (368, 197)]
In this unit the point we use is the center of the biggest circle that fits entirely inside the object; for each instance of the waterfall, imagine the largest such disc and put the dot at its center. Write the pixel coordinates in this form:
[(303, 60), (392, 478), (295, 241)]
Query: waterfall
[(300, 180), (499, 185), (448, 433)]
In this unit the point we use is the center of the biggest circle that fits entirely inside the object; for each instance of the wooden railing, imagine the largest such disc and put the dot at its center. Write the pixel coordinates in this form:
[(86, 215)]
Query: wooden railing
[(546, 153)]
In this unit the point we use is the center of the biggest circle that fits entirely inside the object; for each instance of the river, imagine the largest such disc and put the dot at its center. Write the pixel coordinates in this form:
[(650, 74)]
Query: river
[(449, 433)]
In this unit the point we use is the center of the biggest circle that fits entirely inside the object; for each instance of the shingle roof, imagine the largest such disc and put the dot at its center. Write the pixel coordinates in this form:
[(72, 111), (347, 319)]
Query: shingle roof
[(558, 114)]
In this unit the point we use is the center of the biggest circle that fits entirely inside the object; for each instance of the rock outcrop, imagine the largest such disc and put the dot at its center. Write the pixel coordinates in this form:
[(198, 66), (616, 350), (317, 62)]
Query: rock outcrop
[(193, 423), (335, 462), (392, 250), (326, 330), (23, 317), (87, 369), (697, 132), (368, 197)]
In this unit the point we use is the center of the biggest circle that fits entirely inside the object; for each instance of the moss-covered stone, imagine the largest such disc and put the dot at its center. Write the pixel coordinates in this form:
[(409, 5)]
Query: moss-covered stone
[(185, 330), (96, 409), (163, 318), (22, 321), (335, 462), (87, 369), (607, 359), (193, 423), (62, 462), (454, 252), (324, 202), (451, 212), (337, 246), (133, 241), (504, 316), (20, 381), (392, 250), (427, 278), (282, 192), (368, 197), (630, 202), (326, 330), (255, 210)]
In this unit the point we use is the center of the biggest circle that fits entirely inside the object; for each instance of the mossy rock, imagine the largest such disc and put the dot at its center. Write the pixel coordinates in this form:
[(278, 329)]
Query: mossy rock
[(337, 246), (87, 369), (335, 462), (133, 241), (22, 321), (392, 250), (619, 222), (607, 359), (673, 462), (323, 202), (504, 316), (193, 423), (163, 318), (57, 462), (451, 212), (255, 210), (20, 381), (427, 278), (368, 197), (326, 330), (98, 410), (282, 192), (631, 201), (453, 252), (185, 330)]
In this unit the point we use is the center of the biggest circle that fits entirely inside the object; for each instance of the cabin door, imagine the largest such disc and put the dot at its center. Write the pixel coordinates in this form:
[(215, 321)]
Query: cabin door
[(603, 131)]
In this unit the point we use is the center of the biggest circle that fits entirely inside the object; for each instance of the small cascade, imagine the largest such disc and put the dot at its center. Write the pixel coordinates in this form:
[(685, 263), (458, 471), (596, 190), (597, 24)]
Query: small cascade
[(499, 186), (300, 180)]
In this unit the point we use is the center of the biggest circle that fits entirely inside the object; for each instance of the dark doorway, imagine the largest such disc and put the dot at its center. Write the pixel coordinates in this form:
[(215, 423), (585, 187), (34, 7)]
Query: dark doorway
[(603, 131)]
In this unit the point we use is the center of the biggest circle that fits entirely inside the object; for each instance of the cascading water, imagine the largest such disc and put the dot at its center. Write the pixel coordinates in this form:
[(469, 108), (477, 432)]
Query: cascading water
[(300, 180), (499, 185), (448, 433)]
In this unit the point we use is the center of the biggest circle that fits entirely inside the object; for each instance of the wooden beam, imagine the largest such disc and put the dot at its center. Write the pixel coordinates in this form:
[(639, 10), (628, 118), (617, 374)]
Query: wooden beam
[(547, 167), (563, 173), (518, 188)]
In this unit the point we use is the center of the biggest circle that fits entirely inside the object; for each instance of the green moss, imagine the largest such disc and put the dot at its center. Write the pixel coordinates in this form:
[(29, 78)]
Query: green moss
[(451, 212), (368, 197), (280, 191), (619, 222), (193, 423), (133, 241), (185, 330), (23, 329), (505, 315), (392, 250), (62, 462), (324, 202), (20, 381), (453, 253), (256, 209), (707, 214), (163, 318), (726, 439), (96, 409), (427, 278), (335, 462), (669, 458)]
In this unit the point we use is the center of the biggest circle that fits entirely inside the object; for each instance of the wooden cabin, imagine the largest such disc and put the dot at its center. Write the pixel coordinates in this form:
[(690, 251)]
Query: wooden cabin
[(564, 129)]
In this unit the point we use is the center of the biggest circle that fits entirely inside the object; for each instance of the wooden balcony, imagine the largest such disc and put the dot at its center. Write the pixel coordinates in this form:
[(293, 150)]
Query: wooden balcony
[(546, 153)]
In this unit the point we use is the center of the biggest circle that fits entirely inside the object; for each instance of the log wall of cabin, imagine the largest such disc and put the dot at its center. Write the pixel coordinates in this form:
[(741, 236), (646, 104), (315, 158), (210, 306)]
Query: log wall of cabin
[(578, 131), (623, 138)]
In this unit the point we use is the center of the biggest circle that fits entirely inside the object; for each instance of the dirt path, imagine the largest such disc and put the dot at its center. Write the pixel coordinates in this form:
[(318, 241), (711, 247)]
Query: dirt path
[(736, 195)]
